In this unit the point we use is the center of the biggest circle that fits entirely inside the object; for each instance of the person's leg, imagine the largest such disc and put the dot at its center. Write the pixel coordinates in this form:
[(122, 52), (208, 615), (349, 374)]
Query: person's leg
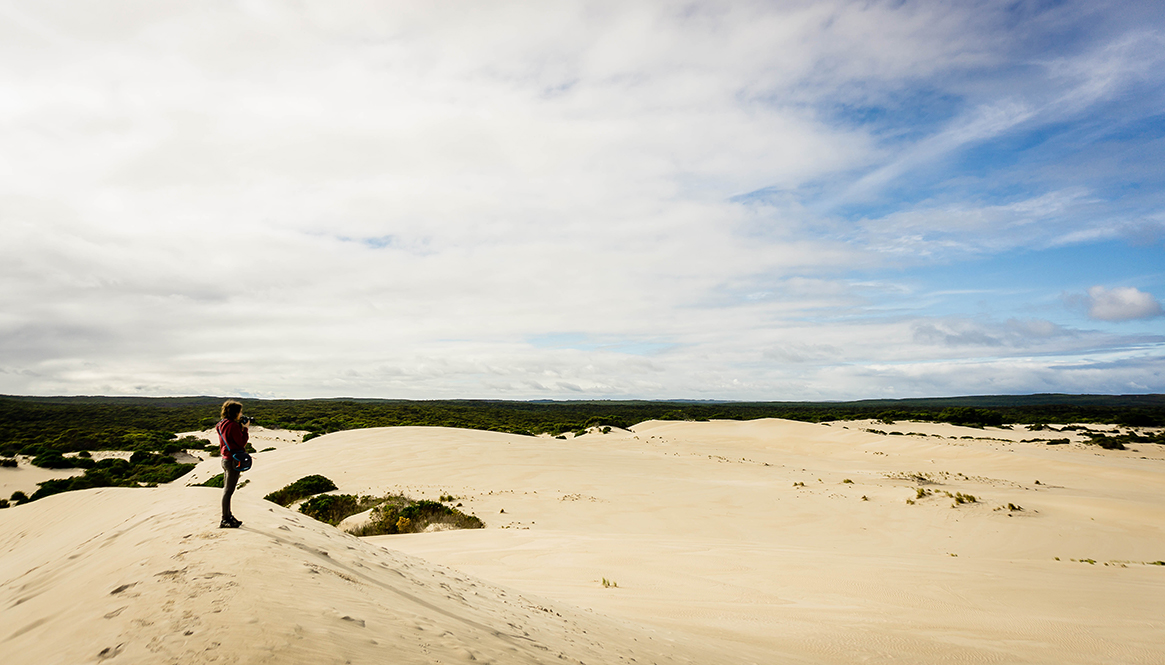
[(230, 478)]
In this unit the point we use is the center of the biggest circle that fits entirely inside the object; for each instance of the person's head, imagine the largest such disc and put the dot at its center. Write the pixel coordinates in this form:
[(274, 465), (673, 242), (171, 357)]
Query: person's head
[(231, 409)]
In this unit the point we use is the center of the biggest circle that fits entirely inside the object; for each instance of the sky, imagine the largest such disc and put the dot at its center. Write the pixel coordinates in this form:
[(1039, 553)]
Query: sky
[(825, 200)]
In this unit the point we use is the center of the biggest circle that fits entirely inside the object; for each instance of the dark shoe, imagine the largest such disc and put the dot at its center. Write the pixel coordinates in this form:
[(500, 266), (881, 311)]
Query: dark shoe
[(230, 523)]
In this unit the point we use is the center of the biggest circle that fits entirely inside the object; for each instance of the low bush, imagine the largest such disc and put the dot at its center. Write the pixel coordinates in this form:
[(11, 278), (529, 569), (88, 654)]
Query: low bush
[(333, 508), (400, 514), (1107, 442), (144, 468), (301, 489), (54, 460), (8, 461), (193, 442), (216, 481)]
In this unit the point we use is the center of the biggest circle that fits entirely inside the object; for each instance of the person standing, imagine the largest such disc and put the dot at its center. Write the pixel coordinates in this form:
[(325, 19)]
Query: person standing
[(233, 434)]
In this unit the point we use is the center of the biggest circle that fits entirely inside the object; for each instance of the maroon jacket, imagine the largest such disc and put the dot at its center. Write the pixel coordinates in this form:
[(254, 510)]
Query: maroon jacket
[(232, 437)]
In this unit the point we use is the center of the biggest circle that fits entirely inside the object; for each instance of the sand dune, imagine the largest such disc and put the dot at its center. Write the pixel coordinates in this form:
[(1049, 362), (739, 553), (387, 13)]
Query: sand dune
[(729, 542), (138, 576)]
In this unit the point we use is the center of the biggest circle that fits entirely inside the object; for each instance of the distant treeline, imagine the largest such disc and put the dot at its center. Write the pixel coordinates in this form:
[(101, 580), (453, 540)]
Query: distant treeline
[(48, 427), (33, 425)]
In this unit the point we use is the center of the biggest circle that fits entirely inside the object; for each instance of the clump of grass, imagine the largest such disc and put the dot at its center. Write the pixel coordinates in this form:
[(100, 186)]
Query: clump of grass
[(921, 493), (301, 489), (865, 498), (798, 484), (918, 478), (959, 498), (396, 513), (608, 584), (847, 481), (8, 462)]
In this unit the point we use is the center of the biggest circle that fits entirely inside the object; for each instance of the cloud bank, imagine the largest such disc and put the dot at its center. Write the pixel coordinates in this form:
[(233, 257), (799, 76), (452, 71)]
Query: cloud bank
[(811, 200)]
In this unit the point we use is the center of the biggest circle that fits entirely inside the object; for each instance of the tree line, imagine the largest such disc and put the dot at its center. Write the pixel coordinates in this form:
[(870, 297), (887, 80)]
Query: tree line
[(48, 428)]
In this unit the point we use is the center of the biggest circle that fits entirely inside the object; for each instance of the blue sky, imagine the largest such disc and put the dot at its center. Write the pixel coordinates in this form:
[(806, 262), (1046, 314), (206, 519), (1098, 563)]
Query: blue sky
[(516, 200)]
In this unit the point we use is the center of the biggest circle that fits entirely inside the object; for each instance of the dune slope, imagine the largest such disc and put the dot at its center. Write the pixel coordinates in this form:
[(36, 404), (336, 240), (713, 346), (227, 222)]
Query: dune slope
[(143, 576)]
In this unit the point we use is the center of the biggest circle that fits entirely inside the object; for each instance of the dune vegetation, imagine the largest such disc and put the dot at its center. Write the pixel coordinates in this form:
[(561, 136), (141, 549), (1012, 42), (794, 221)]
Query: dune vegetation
[(48, 429)]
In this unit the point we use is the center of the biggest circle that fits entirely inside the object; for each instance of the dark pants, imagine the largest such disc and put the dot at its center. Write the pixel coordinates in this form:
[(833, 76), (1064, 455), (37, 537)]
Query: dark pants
[(230, 478)]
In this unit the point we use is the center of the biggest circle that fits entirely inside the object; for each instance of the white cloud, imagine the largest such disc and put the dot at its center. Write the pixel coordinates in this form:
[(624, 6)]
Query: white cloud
[(1122, 303), (357, 198)]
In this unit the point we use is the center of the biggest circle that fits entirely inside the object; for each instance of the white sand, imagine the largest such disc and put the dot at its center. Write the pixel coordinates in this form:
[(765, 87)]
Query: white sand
[(718, 557), (25, 477)]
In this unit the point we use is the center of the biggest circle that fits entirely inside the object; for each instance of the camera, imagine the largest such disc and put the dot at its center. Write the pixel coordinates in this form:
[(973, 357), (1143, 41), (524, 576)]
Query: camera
[(246, 420)]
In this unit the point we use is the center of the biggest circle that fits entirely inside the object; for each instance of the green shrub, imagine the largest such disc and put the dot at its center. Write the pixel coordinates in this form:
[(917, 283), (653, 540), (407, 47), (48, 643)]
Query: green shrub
[(160, 473), (19, 497), (147, 458), (962, 415), (1107, 442), (301, 489), (333, 508), (4, 503), (400, 514), (216, 481), (8, 461), (52, 460)]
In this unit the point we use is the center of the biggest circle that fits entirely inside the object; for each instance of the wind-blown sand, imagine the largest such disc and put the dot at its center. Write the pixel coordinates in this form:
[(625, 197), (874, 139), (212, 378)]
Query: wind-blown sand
[(717, 555)]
